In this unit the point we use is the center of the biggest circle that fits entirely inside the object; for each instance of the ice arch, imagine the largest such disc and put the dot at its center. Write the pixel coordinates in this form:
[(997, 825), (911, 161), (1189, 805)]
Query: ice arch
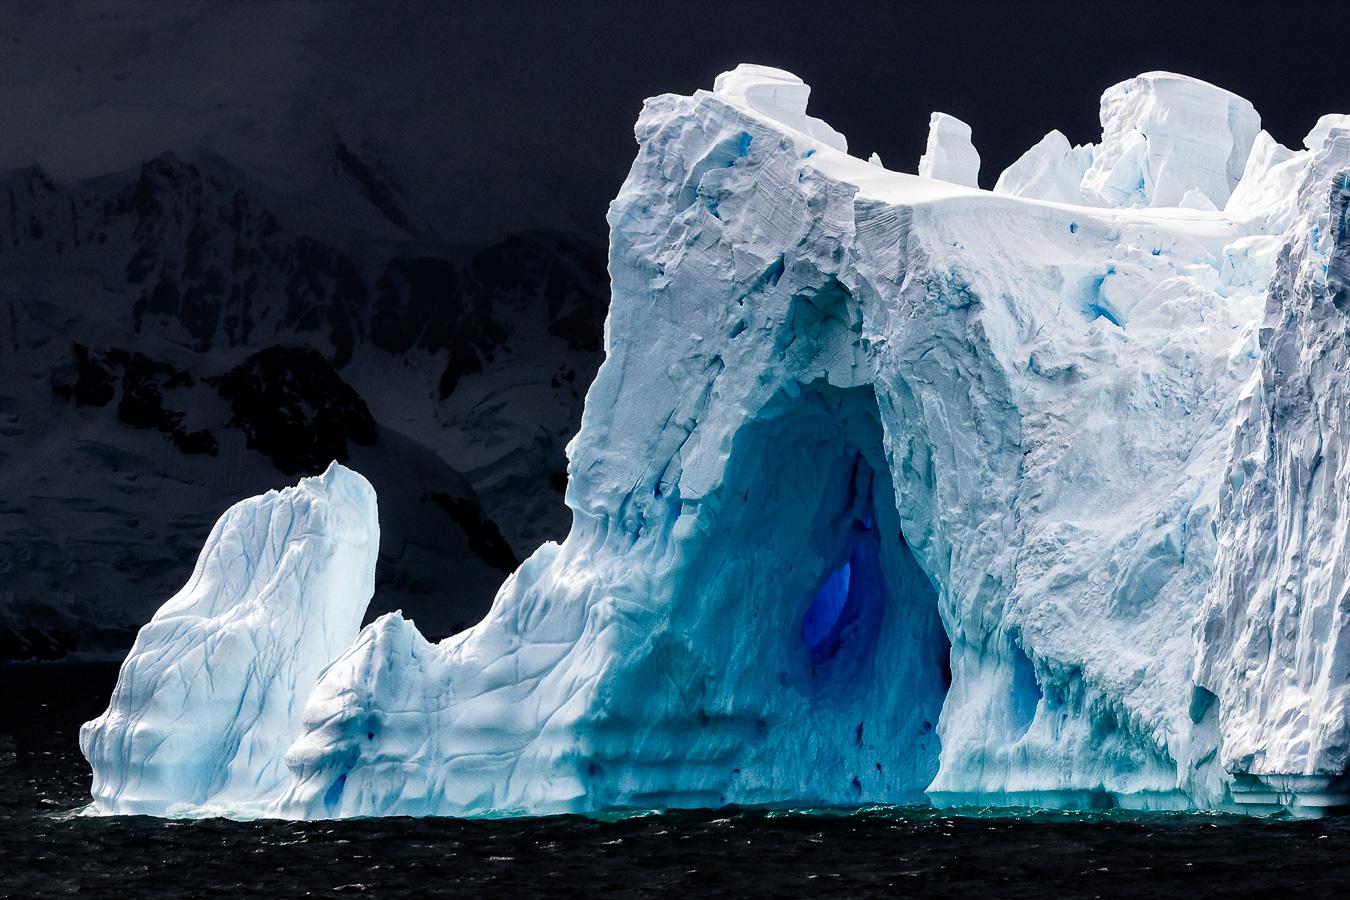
[(855, 694), (656, 659)]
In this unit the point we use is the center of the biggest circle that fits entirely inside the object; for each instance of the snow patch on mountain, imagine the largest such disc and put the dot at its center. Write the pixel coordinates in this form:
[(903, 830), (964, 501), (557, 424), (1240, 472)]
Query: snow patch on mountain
[(177, 337)]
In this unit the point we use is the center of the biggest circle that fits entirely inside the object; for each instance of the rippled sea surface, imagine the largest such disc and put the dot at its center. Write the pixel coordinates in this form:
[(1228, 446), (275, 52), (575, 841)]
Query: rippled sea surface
[(905, 852)]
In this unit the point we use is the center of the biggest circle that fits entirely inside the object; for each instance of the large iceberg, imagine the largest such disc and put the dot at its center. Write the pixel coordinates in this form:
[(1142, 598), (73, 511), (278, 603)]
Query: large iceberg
[(890, 490)]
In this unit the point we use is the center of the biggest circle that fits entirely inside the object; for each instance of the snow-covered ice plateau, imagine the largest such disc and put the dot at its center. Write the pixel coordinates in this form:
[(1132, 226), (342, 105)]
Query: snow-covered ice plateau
[(889, 490)]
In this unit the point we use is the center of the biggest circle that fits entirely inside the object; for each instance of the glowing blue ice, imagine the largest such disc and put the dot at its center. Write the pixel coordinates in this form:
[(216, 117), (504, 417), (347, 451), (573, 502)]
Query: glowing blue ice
[(828, 614)]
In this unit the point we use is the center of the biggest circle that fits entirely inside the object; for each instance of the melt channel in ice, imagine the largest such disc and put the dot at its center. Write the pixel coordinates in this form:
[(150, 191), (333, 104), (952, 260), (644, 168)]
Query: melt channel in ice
[(890, 490)]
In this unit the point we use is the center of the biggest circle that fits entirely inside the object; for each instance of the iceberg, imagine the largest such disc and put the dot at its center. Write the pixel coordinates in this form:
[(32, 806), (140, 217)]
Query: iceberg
[(889, 490)]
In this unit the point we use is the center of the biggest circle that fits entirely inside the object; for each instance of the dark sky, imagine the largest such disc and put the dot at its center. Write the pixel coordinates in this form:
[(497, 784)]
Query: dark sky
[(496, 115)]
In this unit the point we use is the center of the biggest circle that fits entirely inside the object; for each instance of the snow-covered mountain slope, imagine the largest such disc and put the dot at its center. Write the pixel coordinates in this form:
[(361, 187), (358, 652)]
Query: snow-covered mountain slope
[(345, 113), (174, 339), (892, 488)]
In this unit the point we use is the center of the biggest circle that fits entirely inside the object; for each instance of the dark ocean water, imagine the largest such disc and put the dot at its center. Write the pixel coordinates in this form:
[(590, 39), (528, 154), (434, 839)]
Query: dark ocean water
[(908, 852)]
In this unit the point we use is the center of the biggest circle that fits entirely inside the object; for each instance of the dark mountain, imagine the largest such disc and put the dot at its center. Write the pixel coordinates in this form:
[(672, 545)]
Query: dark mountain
[(176, 338)]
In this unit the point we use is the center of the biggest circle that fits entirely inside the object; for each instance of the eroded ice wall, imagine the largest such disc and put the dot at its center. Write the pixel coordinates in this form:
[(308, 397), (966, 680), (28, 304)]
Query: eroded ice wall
[(1275, 639), (892, 488)]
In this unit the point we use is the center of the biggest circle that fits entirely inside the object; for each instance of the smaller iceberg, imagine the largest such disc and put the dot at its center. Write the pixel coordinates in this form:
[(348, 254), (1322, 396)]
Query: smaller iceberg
[(211, 694)]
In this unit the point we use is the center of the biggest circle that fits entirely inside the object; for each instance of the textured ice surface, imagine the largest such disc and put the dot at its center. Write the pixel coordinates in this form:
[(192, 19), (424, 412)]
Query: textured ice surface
[(1165, 134), (211, 693), (1276, 628), (889, 488)]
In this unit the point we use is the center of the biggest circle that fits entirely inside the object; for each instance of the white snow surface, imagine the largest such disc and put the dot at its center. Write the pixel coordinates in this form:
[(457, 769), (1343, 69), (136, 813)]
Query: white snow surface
[(889, 489), (1050, 170)]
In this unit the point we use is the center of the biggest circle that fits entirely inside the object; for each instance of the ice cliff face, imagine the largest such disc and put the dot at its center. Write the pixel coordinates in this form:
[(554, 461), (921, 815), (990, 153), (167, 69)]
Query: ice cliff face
[(1275, 636), (891, 488)]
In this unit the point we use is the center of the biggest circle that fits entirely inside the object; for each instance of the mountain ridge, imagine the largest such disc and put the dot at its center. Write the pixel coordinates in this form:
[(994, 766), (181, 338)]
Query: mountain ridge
[(182, 320)]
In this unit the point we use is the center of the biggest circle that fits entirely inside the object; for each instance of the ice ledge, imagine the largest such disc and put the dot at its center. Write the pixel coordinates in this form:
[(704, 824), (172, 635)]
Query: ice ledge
[(778, 95), (1299, 796)]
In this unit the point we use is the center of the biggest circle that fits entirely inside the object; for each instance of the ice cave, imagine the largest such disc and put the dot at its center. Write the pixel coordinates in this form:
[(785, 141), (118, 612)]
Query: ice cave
[(890, 490)]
